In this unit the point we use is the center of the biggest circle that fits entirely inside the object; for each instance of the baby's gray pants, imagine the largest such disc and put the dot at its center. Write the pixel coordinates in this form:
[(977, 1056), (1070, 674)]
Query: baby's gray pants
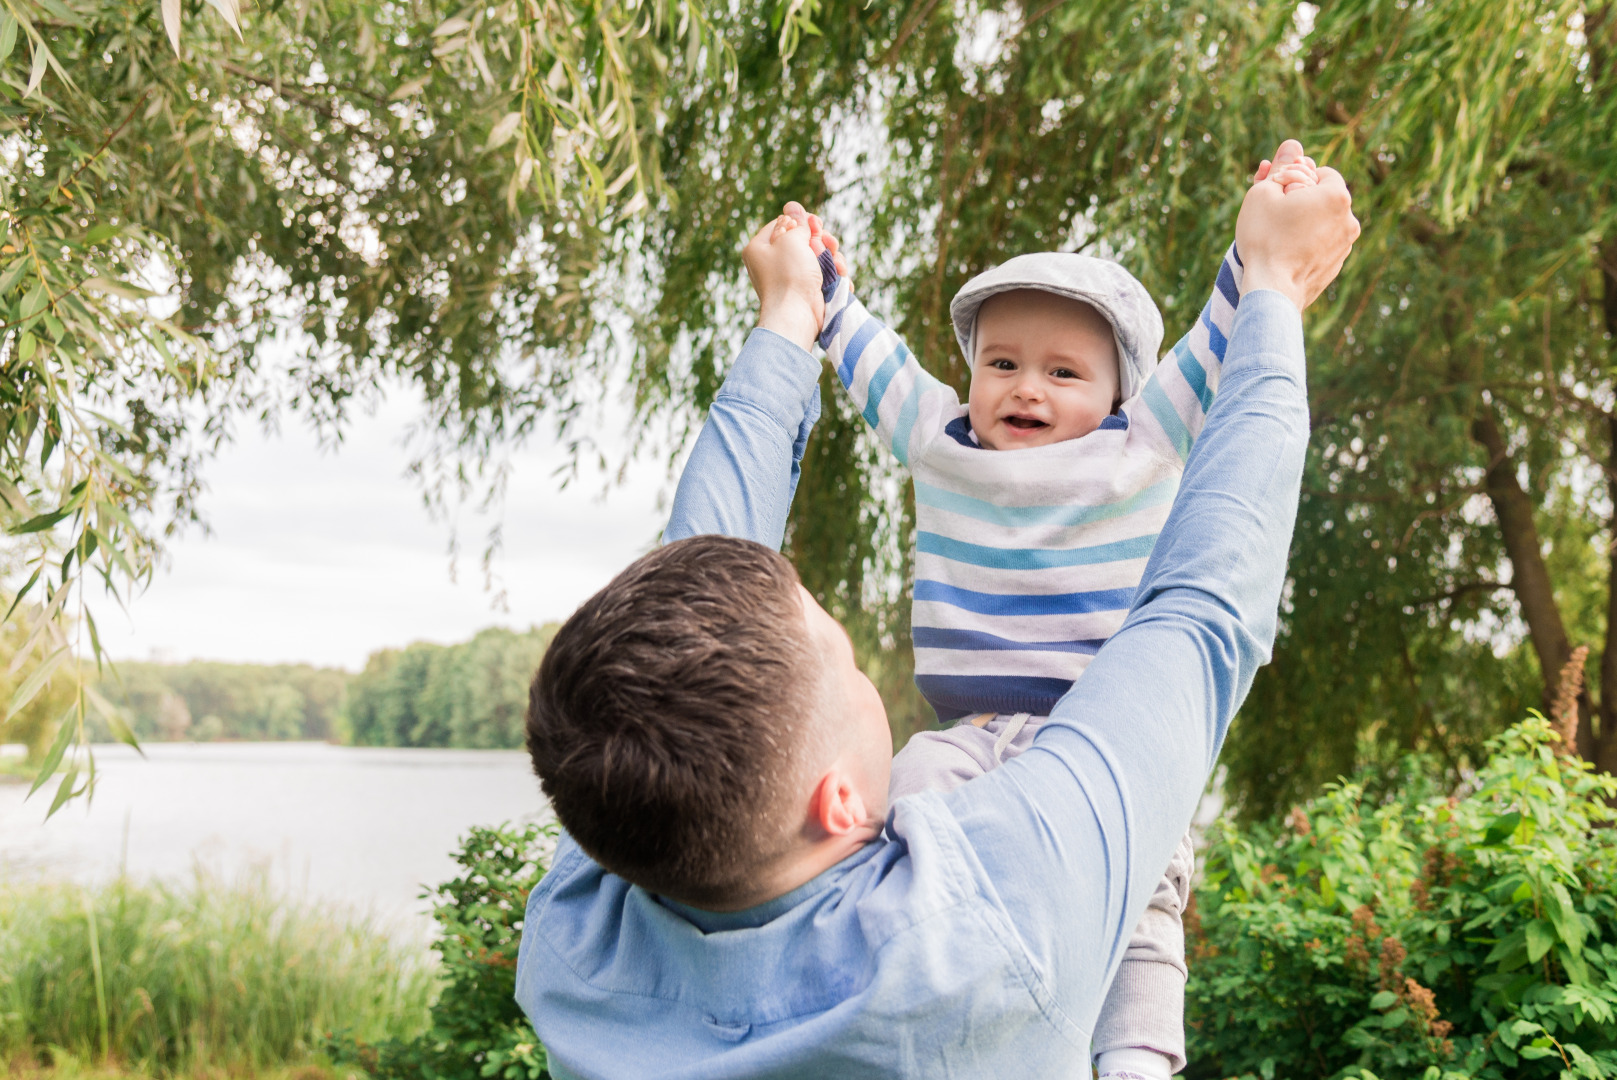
[(1146, 1004)]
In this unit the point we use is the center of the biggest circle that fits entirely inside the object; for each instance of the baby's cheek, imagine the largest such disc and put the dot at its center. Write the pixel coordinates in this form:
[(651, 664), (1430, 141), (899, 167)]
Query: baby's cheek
[(980, 400), (1088, 411)]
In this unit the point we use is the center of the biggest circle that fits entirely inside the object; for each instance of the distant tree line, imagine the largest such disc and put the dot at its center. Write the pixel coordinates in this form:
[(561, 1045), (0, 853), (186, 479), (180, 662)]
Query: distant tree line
[(468, 695), (473, 694), (206, 700)]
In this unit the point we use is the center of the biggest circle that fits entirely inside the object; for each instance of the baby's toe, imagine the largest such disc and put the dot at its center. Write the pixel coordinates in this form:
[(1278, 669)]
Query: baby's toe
[(816, 235), (1291, 150)]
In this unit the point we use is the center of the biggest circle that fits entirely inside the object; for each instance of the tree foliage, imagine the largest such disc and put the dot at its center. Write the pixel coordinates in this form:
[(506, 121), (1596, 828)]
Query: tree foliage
[(526, 206), (473, 695), (1456, 504), (1462, 356), (222, 216), (206, 700)]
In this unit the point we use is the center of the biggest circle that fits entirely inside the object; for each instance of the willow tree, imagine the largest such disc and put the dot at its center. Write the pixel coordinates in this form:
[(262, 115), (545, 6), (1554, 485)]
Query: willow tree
[(212, 214), (522, 206), (1454, 539)]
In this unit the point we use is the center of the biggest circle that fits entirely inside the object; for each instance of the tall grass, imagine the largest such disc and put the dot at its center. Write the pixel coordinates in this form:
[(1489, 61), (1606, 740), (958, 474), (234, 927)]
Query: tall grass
[(176, 977)]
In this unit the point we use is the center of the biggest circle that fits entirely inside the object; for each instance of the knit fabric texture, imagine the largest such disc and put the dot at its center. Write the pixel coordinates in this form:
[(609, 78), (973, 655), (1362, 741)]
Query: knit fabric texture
[(1026, 560)]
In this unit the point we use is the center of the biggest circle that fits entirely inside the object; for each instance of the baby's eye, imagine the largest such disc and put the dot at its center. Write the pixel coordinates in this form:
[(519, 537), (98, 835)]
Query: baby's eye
[(1002, 365), (1064, 373)]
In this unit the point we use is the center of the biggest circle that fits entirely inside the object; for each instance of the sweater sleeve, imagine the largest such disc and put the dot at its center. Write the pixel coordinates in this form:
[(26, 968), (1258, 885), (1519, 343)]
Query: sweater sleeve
[(1170, 410), (744, 468), (888, 386)]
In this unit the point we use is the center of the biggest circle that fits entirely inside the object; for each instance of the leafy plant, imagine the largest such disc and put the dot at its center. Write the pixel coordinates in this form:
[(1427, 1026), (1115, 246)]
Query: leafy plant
[(1431, 935), (477, 1029)]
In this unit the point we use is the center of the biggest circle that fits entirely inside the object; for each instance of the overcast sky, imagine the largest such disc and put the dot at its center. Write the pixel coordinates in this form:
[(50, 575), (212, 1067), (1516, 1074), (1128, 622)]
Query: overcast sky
[(324, 556)]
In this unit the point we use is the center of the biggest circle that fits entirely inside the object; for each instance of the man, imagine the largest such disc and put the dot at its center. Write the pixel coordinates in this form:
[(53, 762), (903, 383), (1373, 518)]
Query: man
[(733, 897)]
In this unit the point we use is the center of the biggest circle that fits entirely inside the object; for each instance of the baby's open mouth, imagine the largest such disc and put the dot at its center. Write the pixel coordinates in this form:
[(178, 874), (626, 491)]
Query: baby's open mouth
[(1025, 423)]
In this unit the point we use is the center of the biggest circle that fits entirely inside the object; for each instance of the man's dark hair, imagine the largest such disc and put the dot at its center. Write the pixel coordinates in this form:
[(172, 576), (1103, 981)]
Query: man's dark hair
[(670, 713)]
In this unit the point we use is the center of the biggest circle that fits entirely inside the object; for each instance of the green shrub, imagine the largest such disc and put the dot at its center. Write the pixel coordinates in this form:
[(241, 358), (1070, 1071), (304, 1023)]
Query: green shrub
[(172, 978), (1427, 935), (477, 1030)]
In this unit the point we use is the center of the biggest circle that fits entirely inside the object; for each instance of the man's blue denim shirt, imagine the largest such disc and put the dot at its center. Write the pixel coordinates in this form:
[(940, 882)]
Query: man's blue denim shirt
[(978, 935)]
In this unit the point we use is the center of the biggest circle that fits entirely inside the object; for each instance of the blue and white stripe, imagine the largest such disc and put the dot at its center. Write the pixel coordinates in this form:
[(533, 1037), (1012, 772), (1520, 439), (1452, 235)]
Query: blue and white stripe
[(1026, 560)]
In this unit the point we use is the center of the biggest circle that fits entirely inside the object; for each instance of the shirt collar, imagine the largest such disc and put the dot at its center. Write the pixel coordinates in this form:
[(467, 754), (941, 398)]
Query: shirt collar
[(711, 922)]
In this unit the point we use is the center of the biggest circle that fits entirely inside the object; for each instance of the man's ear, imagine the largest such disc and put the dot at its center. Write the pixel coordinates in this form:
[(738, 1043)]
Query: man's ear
[(836, 807)]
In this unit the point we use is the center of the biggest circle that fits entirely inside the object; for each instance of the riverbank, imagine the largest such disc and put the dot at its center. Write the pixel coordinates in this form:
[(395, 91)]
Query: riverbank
[(71, 1069), (231, 978)]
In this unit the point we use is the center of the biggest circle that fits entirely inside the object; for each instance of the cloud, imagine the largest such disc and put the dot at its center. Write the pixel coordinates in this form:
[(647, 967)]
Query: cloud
[(324, 555)]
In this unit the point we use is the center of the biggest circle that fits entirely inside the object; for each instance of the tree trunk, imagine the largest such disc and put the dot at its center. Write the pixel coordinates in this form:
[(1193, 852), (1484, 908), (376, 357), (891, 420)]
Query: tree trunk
[(1530, 577), (1604, 743)]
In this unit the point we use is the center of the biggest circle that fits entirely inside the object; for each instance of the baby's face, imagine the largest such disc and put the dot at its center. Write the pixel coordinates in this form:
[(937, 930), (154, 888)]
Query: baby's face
[(1045, 372)]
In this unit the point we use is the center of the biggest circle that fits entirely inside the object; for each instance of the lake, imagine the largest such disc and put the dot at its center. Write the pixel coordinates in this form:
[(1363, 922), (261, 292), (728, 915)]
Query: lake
[(361, 827)]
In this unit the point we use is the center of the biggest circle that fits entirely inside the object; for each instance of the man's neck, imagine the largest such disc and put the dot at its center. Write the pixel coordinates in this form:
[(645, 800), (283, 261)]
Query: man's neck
[(799, 867)]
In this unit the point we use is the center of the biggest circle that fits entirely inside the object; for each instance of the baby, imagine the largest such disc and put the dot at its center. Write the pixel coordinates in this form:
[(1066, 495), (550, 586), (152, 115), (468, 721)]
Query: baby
[(1026, 562)]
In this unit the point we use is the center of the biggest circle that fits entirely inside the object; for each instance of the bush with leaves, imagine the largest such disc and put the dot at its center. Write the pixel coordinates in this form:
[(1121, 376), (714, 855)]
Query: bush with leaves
[(477, 1029), (1433, 935)]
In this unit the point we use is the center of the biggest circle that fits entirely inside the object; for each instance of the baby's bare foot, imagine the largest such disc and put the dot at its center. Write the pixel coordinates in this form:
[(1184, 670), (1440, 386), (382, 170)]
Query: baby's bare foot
[(819, 240), (783, 225), (1291, 168)]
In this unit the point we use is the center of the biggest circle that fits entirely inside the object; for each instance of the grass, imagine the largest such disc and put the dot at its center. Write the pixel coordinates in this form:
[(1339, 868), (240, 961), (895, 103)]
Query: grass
[(67, 1067), (206, 979), (17, 769)]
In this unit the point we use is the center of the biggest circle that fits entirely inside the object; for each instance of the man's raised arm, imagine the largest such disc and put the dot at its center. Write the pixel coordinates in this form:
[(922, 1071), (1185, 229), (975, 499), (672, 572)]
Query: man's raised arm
[(743, 471), (1074, 834)]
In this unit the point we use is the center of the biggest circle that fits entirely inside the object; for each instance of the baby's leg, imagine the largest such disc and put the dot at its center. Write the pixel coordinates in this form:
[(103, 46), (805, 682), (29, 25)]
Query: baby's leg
[(942, 760), (1141, 1029)]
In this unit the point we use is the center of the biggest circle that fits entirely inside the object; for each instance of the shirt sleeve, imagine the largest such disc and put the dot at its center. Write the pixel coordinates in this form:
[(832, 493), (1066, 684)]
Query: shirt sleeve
[(743, 470), (1169, 412), (1073, 835), (888, 386)]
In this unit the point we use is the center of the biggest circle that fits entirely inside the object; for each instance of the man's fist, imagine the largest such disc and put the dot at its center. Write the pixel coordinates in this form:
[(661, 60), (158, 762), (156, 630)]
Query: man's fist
[(1295, 239), (786, 276), (783, 262)]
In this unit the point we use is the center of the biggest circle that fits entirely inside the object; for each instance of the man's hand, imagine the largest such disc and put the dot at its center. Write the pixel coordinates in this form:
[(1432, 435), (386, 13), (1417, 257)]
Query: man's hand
[(786, 276), (1295, 243)]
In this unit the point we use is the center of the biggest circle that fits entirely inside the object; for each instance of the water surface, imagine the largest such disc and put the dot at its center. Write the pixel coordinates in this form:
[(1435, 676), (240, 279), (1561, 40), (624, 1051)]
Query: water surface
[(359, 827)]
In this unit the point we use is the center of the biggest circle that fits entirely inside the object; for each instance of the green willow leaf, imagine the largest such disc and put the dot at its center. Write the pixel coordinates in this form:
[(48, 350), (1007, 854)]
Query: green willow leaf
[(66, 728), (40, 523), (22, 592), (64, 791), (36, 680)]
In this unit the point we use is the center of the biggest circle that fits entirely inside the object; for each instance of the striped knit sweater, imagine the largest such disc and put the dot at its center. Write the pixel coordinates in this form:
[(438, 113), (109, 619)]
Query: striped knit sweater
[(1026, 560)]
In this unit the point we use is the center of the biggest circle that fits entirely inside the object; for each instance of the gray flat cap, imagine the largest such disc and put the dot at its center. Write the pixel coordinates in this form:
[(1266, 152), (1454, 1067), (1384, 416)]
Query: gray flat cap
[(1100, 283)]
